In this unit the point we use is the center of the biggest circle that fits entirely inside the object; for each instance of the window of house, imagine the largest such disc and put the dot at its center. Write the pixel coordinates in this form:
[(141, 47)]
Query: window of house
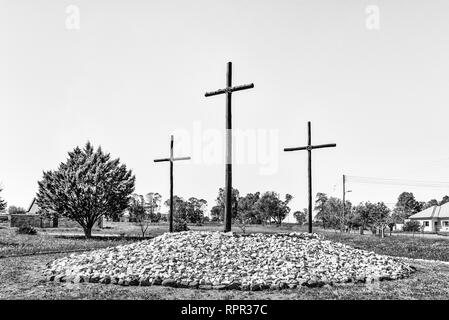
[(426, 223), (446, 223)]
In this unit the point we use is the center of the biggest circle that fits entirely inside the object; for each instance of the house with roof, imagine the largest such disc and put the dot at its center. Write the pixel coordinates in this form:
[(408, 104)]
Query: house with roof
[(33, 218), (434, 219)]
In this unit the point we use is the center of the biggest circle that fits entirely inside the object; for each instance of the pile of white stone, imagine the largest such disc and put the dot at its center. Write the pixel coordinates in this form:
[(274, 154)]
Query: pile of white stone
[(215, 260)]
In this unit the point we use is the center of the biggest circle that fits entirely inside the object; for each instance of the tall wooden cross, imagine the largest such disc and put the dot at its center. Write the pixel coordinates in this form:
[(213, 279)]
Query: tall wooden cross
[(171, 159), (309, 148), (228, 157)]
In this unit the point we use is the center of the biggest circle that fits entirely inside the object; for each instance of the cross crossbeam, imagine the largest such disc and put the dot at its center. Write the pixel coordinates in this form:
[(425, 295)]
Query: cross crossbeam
[(171, 159), (228, 157), (309, 148), (228, 90)]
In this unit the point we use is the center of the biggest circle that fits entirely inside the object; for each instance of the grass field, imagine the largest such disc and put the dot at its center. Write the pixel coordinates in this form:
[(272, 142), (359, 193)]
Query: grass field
[(21, 277)]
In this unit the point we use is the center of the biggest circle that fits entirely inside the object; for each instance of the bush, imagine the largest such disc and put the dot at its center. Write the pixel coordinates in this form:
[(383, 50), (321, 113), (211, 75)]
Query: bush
[(26, 230), (412, 226), (180, 225)]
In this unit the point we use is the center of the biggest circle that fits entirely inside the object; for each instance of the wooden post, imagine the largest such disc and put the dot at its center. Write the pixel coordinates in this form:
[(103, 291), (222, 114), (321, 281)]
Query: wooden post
[(228, 165), (344, 204), (228, 157), (171, 185), (309, 149), (171, 160)]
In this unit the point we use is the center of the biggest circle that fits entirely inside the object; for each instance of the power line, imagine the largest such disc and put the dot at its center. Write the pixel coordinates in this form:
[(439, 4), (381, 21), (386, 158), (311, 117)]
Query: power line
[(398, 182)]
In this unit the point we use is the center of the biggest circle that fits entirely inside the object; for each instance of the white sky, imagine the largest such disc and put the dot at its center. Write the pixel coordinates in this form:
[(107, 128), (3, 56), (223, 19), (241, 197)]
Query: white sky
[(137, 71)]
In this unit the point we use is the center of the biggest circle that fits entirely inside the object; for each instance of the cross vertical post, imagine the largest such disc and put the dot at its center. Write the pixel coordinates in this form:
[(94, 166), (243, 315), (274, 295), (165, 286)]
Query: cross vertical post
[(171, 160), (171, 185), (344, 205), (228, 157), (228, 170), (309, 149)]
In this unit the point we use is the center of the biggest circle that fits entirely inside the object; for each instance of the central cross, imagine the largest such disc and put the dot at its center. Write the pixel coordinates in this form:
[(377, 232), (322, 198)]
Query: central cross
[(228, 157), (171, 160), (309, 149)]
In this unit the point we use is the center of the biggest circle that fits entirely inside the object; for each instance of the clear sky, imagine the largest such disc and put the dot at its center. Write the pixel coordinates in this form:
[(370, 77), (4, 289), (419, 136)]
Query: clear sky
[(127, 74)]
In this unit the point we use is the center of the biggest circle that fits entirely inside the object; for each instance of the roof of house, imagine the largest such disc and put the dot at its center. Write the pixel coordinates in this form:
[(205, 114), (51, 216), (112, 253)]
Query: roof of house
[(31, 205), (434, 212)]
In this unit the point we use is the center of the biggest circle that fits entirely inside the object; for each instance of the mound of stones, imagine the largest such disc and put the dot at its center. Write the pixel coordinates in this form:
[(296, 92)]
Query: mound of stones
[(215, 260)]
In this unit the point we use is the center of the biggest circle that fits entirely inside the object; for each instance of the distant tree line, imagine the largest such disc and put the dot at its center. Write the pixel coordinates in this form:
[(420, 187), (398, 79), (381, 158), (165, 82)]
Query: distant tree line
[(253, 208), (3, 203), (376, 217), (90, 185)]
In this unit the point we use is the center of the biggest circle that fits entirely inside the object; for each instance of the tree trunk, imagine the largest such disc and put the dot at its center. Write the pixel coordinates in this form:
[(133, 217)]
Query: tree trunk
[(88, 232)]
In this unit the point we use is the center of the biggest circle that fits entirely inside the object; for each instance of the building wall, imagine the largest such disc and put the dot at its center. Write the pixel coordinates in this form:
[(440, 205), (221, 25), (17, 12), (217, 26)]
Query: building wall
[(34, 220), (441, 224), (444, 225), (21, 220), (429, 223)]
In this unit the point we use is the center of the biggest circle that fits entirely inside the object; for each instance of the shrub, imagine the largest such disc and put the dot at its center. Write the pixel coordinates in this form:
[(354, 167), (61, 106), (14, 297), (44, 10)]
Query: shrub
[(179, 225), (26, 230), (411, 226)]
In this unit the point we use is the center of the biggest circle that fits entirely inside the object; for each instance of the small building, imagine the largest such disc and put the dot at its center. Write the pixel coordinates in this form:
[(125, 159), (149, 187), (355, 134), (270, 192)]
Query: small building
[(433, 219), (33, 218)]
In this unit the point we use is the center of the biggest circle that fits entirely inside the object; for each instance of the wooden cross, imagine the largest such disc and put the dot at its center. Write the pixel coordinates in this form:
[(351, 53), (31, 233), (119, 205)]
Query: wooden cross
[(171, 159), (309, 148), (228, 157)]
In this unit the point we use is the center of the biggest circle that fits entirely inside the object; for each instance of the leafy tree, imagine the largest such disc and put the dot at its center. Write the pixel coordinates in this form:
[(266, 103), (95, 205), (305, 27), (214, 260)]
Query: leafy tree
[(138, 211), (411, 226), (406, 206), (243, 219), (431, 203), (3, 203), (247, 209), (444, 200), (153, 205), (371, 215), (320, 208), (195, 210), (87, 186), (271, 206), (362, 216), (217, 211), (179, 213), (301, 216), (333, 210), (380, 216), (16, 210), (179, 207)]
